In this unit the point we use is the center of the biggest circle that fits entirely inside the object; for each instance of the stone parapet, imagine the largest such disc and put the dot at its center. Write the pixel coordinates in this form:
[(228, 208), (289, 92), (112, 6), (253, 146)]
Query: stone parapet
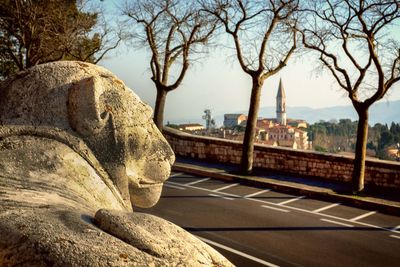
[(327, 166)]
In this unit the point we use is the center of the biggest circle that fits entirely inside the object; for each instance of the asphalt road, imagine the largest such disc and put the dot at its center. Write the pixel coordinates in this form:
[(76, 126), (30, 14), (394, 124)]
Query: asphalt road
[(260, 227)]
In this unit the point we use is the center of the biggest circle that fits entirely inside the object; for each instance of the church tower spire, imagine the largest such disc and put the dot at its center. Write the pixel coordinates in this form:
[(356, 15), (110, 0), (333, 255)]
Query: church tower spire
[(281, 104)]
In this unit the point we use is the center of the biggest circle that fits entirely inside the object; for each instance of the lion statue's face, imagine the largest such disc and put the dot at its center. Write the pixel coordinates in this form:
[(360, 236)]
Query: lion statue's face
[(130, 147), (89, 102)]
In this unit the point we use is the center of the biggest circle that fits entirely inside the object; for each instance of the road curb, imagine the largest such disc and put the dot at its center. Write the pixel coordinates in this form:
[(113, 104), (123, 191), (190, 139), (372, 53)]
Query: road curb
[(322, 194)]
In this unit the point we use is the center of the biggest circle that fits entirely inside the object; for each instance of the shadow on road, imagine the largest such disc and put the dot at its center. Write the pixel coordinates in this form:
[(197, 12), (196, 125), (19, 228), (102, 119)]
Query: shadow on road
[(275, 229)]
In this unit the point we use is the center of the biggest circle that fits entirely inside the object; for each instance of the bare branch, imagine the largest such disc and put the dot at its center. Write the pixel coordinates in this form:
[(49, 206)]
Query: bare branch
[(172, 30), (362, 29)]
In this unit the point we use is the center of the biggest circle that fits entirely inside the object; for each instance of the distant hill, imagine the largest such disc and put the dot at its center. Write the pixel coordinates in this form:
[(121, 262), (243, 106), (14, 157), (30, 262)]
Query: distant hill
[(382, 112)]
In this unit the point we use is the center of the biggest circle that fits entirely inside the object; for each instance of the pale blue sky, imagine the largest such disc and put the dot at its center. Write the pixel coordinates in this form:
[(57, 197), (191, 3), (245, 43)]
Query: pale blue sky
[(219, 84)]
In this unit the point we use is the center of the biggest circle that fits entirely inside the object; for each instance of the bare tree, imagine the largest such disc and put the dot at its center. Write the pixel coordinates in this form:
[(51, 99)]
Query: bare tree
[(354, 43), (174, 31), (87, 41), (34, 32), (264, 39)]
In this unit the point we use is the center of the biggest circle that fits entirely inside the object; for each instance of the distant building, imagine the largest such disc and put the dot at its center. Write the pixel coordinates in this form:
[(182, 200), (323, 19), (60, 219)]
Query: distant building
[(297, 123), (265, 123), (278, 131), (210, 122), (281, 105), (237, 136), (393, 151), (232, 120), (268, 142), (190, 127), (286, 136)]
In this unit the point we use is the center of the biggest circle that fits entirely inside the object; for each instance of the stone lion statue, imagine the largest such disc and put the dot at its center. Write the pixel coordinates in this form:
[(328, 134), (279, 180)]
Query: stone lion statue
[(77, 150)]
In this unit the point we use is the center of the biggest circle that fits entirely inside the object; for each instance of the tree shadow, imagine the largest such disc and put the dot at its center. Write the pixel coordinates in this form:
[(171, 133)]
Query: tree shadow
[(235, 197), (282, 229)]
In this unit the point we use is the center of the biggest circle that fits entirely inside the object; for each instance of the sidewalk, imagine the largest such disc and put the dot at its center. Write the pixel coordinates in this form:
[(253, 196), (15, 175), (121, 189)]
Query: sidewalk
[(383, 200)]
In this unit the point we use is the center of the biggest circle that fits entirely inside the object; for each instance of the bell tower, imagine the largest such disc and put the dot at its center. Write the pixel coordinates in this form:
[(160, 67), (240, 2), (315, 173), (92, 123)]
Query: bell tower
[(281, 104)]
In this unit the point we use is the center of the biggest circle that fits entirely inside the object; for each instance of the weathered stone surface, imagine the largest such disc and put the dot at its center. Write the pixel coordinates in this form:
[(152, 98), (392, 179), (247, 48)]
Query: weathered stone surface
[(159, 238), (90, 103), (77, 148)]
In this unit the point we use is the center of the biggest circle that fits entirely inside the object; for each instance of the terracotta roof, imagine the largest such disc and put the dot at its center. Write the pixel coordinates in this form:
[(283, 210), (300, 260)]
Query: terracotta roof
[(268, 142), (287, 143), (191, 125)]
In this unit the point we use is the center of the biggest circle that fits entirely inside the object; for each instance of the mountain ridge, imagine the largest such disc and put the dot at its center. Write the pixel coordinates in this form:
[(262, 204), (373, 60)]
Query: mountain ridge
[(381, 112)]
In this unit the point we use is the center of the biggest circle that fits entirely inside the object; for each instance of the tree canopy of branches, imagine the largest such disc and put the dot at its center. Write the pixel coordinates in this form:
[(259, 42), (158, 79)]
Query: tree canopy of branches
[(174, 31), (264, 39), (38, 31), (353, 43)]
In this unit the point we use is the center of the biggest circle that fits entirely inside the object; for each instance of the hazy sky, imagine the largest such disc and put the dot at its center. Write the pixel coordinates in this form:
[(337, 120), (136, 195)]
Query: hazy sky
[(218, 83)]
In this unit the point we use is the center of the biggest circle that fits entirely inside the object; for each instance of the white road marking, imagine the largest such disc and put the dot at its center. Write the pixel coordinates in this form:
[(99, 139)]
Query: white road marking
[(176, 174), (339, 218), (362, 216), (395, 229), (291, 208), (214, 195), (273, 208), (326, 207), (173, 186), (225, 187), (339, 223), (204, 189), (291, 200), (395, 236), (237, 252), (198, 181), (257, 193)]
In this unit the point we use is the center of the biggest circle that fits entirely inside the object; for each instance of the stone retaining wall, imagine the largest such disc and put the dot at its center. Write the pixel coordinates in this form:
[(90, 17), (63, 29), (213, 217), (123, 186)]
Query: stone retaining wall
[(297, 162)]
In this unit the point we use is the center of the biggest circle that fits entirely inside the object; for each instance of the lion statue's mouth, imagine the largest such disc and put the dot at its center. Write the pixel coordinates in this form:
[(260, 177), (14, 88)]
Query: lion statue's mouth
[(145, 197), (149, 185)]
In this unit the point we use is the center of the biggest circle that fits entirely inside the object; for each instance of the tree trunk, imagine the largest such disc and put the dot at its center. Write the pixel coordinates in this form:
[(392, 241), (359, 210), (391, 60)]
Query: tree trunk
[(361, 151), (246, 165), (159, 108)]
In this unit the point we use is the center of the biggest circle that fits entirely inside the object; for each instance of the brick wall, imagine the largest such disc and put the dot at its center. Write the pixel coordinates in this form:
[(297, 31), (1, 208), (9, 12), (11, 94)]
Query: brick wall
[(285, 160)]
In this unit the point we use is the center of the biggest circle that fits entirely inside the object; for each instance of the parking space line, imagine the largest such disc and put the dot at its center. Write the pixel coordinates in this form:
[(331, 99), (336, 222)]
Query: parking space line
[(395, 236), (174, 186), (237, 252), (289, 207), (273, 208), (339, 218), (291, 200), (323, 215), (326, 207), (214, 195), (257, 193), (176, 174), (225, 187), (395, 229), (198, 181), (362, 216), (335, 222), (204, 189)]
